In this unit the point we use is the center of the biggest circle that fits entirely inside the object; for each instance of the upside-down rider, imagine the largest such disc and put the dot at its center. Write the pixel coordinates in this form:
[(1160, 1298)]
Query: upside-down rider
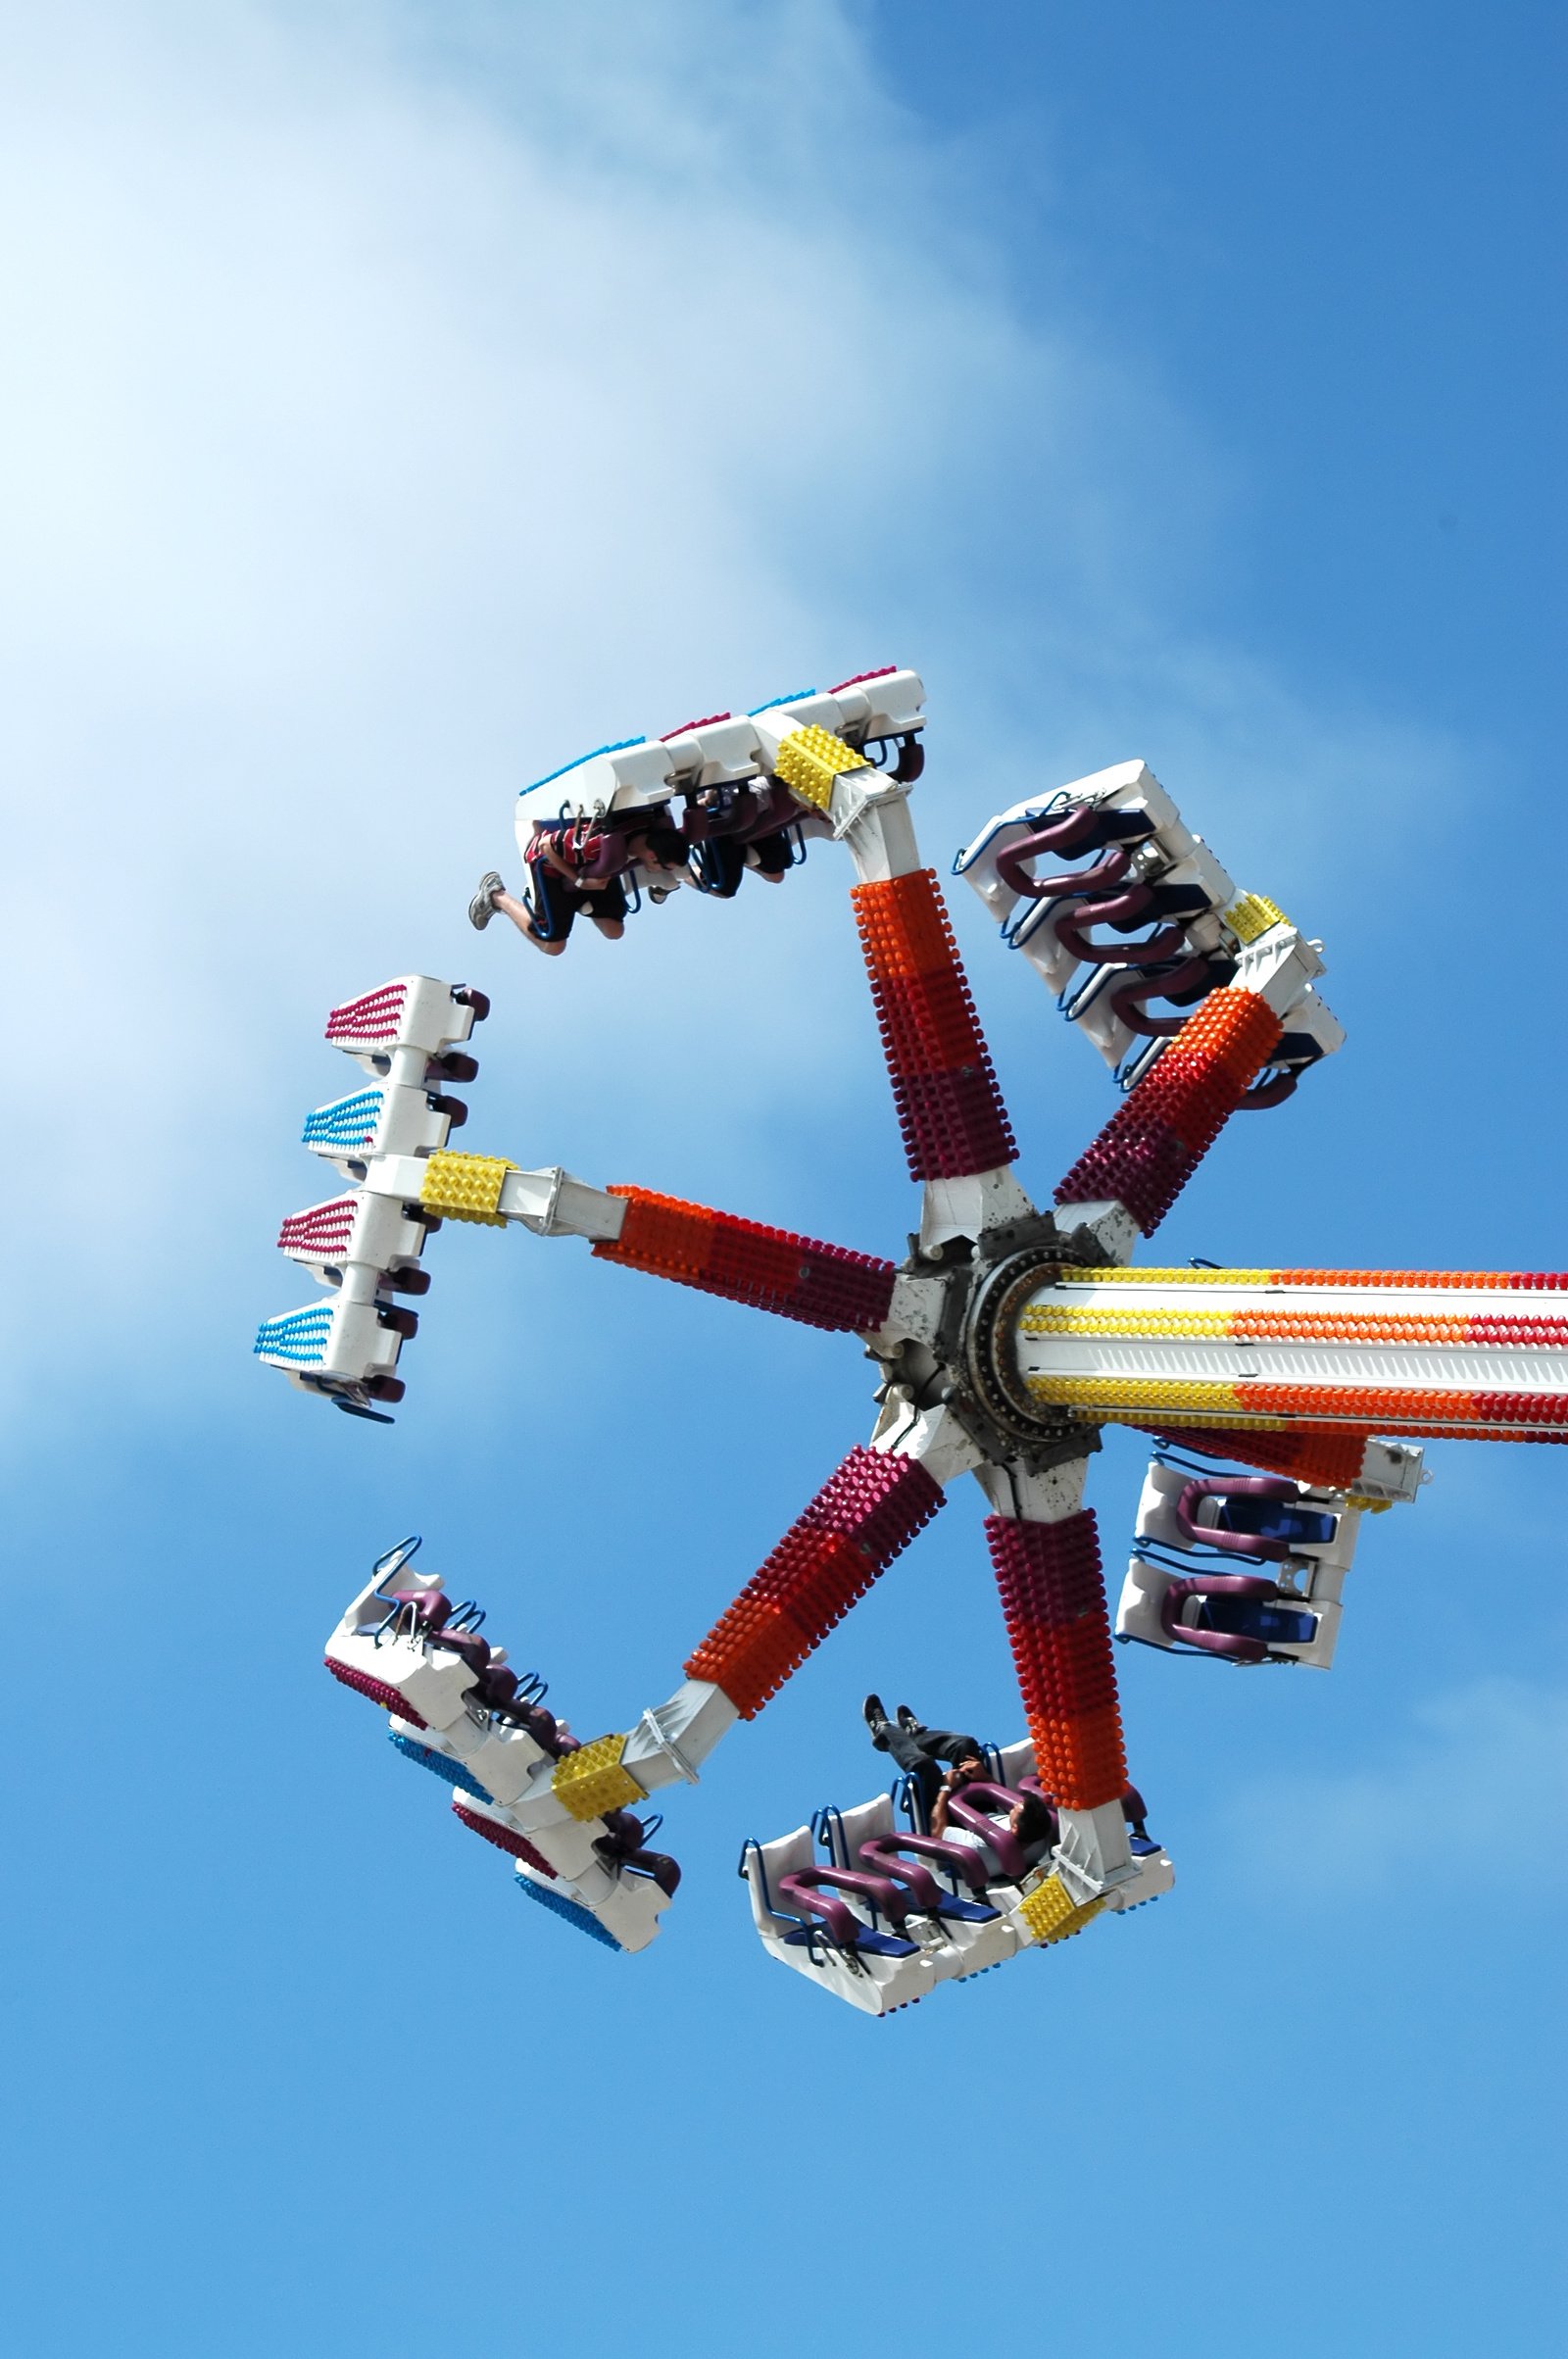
[(920, 1751), (575, 872)]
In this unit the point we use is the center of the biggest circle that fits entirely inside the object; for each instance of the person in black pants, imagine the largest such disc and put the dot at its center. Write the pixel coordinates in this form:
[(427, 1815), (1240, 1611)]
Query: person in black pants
[(921, 1750)]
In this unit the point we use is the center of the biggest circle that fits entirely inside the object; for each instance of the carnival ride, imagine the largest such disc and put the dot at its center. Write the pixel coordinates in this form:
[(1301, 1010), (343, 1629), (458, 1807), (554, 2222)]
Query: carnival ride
[(1005, 1341)]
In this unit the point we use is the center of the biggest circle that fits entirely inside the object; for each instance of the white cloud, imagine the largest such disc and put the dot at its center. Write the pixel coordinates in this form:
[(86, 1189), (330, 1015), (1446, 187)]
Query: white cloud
[(1479, 1782), (408, 398)]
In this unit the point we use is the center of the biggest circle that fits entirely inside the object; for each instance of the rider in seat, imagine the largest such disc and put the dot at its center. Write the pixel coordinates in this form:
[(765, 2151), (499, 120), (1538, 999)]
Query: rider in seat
[(921, 1750)]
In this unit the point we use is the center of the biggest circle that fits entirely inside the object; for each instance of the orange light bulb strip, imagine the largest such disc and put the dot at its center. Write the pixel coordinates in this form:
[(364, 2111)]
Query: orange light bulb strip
[(864, 1517), (1159, 1135), (950, 1107), (771, 1269), (1331, 1456), (1054, 1603)]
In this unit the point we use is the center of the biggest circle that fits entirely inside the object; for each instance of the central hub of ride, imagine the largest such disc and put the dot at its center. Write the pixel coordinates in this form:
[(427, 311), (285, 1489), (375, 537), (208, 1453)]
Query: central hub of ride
[(989, 1350), (969, 1361)]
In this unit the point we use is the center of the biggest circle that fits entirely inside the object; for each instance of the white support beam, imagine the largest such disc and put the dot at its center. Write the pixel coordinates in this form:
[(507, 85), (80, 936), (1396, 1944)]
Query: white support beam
[(552, 1204)]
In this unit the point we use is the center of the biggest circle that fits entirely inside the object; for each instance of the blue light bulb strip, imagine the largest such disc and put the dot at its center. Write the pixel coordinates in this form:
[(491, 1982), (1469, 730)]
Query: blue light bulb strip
[(295, 1336), (573, 1910), (347, 1123), (441, 1765)]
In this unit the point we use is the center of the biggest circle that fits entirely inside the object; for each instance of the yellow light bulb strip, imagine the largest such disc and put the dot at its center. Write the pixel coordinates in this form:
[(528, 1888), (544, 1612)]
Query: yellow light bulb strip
[(465, 1187), (592, 1781), (1052, 1914), (809, 761)]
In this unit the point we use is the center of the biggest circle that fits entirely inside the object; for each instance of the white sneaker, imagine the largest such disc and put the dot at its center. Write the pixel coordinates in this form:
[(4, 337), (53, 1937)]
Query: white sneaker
[(482, 908)]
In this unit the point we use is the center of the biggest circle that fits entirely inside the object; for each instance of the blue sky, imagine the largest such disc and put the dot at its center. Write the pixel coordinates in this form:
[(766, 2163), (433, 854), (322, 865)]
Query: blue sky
[(401, 400)]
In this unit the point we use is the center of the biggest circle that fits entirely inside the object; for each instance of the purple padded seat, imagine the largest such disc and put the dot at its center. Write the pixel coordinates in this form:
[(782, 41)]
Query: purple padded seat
[(1085, 829), (538, 1724), (608, 854), (1234, 1643), (881, 1855), (467, 1643), (659, 1867), (961, 1857), (816, 1890), (427, 1608), (1134, 1809), (622, 1841), (1012, 1858), (495, 1692), (1256, 1544)]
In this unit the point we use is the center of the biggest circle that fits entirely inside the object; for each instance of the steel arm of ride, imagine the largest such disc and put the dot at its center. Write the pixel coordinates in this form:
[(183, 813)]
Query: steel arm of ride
[(1045, 1553), (861, 1519), (800, 1278), (956, 1135), (551, 1202), (1126, 1181)]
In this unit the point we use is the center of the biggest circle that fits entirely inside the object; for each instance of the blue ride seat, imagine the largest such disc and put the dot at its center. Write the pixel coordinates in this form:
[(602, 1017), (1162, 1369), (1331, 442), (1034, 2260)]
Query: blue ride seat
[(965, 1912), (875, 1944), (1276, 1519), (1276, 1625)]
